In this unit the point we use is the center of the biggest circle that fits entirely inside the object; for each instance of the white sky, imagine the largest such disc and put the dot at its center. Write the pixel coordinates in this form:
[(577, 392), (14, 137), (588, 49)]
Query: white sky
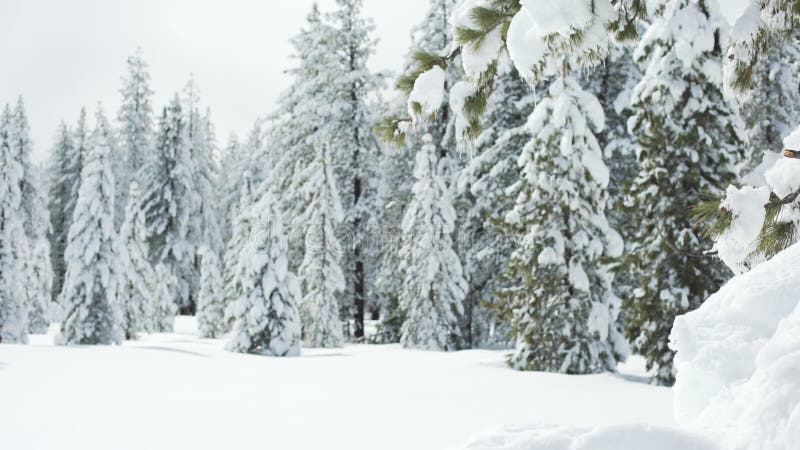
[(61, 55)]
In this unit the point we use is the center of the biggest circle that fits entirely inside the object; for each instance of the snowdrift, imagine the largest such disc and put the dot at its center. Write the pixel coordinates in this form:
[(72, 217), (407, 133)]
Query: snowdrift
[(627, 437), (738, 360)]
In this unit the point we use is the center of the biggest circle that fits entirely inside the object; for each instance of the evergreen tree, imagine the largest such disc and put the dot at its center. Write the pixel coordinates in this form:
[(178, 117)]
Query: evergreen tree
[(36, 219), (170, 204), (267, 320), (163, 307), (138, 286), (772, 110), (687, 143), (135, 124), (210, 302), (483, 193), (229, 181), (201, 139), (431, 37), (308, 112), (433, 288), (237, 245), (320, 273), (69, 153), (13, 243), (355, 146), (559, 299), (89, 296)]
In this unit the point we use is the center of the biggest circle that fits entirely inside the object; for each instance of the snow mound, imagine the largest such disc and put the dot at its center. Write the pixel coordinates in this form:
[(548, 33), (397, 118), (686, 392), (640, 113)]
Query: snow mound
[(623, 437), (738, 359)]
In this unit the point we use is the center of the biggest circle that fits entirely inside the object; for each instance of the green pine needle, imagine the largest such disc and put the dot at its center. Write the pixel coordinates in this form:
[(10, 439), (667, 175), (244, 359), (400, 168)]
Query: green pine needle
[(710, 219)]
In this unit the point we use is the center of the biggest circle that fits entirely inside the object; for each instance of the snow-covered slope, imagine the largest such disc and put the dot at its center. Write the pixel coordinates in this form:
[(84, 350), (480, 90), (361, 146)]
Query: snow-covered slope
[(739, 359), (176, 391)]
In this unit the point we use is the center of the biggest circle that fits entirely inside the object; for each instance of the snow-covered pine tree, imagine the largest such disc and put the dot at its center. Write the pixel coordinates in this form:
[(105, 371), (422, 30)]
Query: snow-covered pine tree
[(210, 301), (612, 83), (162, 307), (89, 296), (138, 285), (687, 146), (229, 181), (355, 150), (306, 117), (170, 200), (559, 299), (432, 36), (13, 243), (202, 147), (772, 110), (36, 221), (241, 236), (267, 320), (483, 191), (320, 273), (135, 120), (433, 284), (69, 152)]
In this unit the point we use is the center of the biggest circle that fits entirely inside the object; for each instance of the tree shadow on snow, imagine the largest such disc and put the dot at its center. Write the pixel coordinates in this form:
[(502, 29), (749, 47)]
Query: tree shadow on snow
[(634, 378), (169, 349)]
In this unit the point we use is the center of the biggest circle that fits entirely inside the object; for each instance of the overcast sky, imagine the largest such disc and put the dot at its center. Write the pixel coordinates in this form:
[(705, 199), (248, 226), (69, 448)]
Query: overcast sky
[(64, 54)]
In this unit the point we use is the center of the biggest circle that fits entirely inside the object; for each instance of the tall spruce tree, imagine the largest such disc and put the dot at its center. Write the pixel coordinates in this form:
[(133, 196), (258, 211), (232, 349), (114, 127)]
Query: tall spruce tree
[(559, 299), (241, 235), (13, 243), (210, 301), (170, 204), (433, 284), (36, 219), (772, 110), (688, 144), (69, 153), (432, 36), (320, 273), (138, 285), (355, 147), (135, 120), (483, 187), (267, 320), (89, 296)]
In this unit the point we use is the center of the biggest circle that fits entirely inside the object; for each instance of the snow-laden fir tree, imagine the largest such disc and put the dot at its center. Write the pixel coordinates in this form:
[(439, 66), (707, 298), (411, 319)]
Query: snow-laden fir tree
[(433, 284), (137, 287), (241, 237), (483, 188), (559, 298), (201, 139), (68, 155), (306, 117), (210, 301), (612, 83), (229, 182), (355, 149), (320, 273), (170, 204), (36, 220), (687, 146), (13, 243), (267, 320), (772, 109), (89, 297), (135, 120), (162, 306), (432, 36)]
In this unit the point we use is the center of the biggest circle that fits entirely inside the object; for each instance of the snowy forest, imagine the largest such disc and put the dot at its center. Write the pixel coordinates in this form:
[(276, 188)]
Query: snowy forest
[(594, 197)]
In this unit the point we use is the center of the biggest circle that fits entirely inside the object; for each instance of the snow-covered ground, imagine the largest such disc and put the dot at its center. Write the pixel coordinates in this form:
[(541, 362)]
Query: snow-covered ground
[(176, 391)]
